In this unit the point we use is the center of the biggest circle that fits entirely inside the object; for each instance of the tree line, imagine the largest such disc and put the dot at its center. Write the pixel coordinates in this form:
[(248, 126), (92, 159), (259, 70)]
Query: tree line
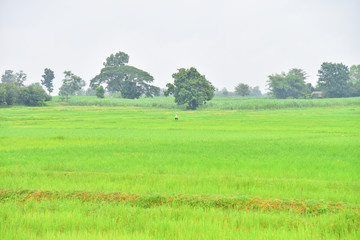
[(335, 80), (189, 87)]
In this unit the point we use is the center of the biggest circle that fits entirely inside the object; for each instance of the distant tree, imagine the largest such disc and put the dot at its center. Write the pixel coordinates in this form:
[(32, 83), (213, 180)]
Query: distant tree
[(224, 92), (354, 85), (255, 92), (130, 81), (334, 80), (16, 78), (71, 84), (100, 91), (20, 79), (290, 85), (242, 89), (190, 87), (8, 77), (10, 93), (2, 94), (33, 95), (310, 87), (47, 80), (354, 73), (90, 92)]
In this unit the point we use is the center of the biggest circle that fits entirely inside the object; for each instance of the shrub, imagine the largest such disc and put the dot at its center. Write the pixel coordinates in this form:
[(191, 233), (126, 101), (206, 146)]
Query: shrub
[(100, 91), (33, 95)]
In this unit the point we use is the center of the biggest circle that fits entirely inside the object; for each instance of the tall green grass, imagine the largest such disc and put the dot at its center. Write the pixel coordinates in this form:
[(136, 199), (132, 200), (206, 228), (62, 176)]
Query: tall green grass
[(72, 219), (221, 103)]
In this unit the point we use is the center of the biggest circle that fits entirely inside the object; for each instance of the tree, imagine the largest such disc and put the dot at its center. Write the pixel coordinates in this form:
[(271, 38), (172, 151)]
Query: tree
[(100, 91), (20, 79), (334, 80), (242, 89), (290, 85), (2, 94), (354, 75), (190, 87), (8, 77), (255, 92), (16, 78), (47, 80), (71, 84), (11, 93), (33, 95), (224, 92), (130, 81)]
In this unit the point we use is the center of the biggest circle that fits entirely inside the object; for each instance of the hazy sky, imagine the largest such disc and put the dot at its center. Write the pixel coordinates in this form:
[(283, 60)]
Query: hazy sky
[(228, 41)]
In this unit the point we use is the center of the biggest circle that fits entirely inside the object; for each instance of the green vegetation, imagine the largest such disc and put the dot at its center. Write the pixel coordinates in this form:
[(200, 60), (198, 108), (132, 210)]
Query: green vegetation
[(190, 87), (71, 84), (118, 77), (13, 91), (100, 92), (48, 79), (290, 85), (334, 80), (242, 89), (135, 173), (220, 103)]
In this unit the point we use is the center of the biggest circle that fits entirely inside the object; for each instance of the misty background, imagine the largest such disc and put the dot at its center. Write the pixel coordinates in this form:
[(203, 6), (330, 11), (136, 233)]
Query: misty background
[(228, 41)]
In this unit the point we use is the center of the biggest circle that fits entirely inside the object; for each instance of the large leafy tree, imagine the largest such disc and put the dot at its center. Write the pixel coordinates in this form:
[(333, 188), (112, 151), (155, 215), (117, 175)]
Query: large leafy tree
[(47, 80), (71, 84), (290, 85), (130, 81), (334, 79), (242, 89), (190, 87)]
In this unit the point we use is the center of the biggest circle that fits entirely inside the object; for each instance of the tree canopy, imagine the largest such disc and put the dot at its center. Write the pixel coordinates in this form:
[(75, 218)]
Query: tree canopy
[(71, 84), (242, 89), (190, 87), (16, 78), (130, 81), (290, 85), (33, 95), (100, 91), (354, 75), (47, 80), (334, 79)]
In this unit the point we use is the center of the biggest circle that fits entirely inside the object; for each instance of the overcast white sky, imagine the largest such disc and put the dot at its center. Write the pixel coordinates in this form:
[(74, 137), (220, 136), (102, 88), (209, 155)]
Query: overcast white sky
[(228, 41)]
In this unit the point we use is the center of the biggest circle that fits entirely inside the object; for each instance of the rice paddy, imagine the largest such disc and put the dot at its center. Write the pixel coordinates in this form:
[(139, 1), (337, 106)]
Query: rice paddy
[(127, 172)]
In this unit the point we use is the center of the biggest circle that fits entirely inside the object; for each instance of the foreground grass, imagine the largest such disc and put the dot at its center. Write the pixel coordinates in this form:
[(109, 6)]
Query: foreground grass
[(306, 155), (73, 219)]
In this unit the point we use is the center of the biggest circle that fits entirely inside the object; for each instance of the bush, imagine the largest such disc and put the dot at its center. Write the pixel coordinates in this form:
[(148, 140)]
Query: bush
[(100, 91), (33, 95)]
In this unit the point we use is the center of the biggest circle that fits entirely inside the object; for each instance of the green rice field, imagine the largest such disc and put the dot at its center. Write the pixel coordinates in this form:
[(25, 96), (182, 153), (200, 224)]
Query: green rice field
[(132, 172)]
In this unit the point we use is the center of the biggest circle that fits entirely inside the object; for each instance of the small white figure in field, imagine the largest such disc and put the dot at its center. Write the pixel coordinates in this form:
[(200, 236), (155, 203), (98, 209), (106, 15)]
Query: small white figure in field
[(176, 117)]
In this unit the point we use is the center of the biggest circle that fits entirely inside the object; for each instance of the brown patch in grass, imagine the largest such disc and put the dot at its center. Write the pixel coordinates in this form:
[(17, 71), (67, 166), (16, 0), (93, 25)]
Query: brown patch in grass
[(251, 204)]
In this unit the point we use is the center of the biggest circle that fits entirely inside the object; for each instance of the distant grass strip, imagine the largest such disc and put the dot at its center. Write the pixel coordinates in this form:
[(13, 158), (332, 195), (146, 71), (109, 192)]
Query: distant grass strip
[(148, 201), (220, 103)]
